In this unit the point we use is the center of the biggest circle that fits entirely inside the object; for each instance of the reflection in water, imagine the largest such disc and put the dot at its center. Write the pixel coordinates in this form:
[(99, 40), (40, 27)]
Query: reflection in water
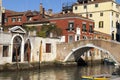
[(57, 73)]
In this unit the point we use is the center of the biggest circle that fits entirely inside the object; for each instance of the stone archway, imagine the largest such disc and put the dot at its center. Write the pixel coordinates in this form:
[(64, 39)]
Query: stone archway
[(27, 51), (82, 49), (16, 52), (64, 50)]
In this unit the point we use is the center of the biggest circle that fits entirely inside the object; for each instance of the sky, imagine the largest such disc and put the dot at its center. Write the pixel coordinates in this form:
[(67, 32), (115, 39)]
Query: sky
[(24, 5)]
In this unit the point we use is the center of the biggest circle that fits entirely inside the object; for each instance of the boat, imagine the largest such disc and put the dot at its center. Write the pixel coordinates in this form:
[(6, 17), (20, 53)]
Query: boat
[(97, 77)]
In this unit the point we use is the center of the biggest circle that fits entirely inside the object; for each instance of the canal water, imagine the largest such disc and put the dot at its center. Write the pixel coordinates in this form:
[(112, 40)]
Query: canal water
[(58, 73)]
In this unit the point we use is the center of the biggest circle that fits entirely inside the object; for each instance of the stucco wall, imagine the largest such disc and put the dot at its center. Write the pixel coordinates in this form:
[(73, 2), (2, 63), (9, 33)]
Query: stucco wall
[(35, 47)]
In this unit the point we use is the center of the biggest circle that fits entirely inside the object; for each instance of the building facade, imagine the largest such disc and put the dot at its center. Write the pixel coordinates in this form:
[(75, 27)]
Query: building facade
[(1, 10), (105, 13), (74, 27), (12, 18), (16, 46)]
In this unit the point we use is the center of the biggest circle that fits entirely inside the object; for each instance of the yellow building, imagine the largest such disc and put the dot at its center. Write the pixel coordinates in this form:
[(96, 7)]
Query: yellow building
[(105, 13)]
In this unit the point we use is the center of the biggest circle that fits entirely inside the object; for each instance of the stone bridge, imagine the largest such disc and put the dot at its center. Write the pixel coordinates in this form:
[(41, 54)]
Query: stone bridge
[(65, 50)]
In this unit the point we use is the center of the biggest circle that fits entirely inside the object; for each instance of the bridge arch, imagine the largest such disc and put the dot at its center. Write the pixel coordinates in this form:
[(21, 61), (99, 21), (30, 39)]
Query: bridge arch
[(64, 50), (88, 47)]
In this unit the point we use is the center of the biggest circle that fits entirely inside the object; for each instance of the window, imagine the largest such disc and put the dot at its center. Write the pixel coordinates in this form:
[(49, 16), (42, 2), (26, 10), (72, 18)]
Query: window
[(96, 5), (112, 13), (71, 26), (112, 4), (19, 19), (112, 23), (100, 24), (78, 37), (6, 20), (84, 27), (76, 7), (117, 37), (29, 18), (85, 6), (13, 19), (90, 15), (5, 51), (48, 48), (117, 15), (101, 14), (70, 38), (91, 29), (117, 25)]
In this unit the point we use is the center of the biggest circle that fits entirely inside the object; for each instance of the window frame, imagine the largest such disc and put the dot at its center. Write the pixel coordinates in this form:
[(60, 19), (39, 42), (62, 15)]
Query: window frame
[(5, 54), (71, 26), (96, 5), (13, 19), (101, 24), (48, 47)]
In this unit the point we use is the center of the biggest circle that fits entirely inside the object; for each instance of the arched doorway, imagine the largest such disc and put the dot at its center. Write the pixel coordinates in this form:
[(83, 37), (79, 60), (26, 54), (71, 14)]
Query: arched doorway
[(16, 57), (27, 51)]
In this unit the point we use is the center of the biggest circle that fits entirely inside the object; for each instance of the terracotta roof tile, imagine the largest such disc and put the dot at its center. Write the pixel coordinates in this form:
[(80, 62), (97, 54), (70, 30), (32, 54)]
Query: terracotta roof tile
[(61, 15)]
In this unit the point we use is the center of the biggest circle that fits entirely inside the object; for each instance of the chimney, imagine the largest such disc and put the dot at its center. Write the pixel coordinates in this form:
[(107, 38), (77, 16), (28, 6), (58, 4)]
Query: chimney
[(43, 13), (50, 12), (41, 8)]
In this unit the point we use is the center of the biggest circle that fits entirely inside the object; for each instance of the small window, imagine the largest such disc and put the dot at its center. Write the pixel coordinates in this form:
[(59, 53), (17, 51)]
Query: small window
[(5, 51), (117, 25), (78, 37), (112, 13), (91, 29), (85, 6), (112, 4), (70, 38), (84, 27), (117, 15), (19, 19), (90, 15), (48, 48), (101, 24), (76, 7), (6, 20), (13, 19), (101, 14), (71, 26), (29, 18), (112, 23), (96, 5)]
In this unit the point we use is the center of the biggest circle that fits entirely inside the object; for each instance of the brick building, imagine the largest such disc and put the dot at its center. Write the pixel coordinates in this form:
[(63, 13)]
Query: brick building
[(74, 27), (12, 18)]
